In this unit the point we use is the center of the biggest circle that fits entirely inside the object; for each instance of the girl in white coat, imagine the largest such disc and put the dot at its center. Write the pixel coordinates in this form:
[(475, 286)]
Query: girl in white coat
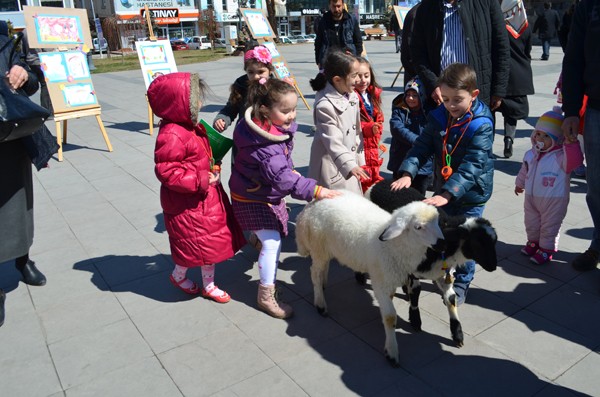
[(337, 151)]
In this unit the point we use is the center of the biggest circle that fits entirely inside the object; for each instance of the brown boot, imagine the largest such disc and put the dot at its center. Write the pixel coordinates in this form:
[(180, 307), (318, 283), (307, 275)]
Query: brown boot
[(268, 303)]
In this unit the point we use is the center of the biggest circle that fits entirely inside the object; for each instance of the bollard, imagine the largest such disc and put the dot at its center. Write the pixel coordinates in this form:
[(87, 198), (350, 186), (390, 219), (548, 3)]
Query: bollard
[(90, 61)]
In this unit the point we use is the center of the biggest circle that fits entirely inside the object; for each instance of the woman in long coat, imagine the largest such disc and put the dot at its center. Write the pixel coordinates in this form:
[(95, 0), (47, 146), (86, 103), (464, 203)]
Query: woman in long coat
[(16, 184)]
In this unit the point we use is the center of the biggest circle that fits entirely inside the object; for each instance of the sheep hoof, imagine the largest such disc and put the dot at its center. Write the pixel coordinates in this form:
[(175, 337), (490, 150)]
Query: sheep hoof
[(393, 361), (322, 311), (414, 317), (457, 333), (361, 278)]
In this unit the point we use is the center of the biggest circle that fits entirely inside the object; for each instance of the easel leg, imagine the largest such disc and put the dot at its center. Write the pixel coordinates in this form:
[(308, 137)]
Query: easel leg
[(397, 74), (150, 119), (301, 96), (64, 132), (104, 134), (59, 140)]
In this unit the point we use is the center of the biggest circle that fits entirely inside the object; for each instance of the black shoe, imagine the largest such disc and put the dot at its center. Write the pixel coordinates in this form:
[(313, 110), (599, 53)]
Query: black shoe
[(508, 147), (586, 261), (31, 274), (2, 299)]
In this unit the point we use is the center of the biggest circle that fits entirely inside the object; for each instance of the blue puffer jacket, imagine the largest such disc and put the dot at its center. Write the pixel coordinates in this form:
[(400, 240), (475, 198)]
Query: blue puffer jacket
[(263, 169), (472, 180)]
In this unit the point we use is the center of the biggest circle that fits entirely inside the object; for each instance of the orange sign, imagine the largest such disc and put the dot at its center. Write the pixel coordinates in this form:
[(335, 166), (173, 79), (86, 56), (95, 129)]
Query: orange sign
[(163, 16)]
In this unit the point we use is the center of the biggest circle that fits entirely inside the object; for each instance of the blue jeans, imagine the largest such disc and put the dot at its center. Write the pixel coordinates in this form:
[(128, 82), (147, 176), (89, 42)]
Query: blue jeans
[(464, 274), (591, 145), (545, 48)]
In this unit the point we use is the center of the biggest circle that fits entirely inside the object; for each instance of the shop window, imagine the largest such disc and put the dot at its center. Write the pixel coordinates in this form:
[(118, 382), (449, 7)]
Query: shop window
[(51, 3), (9, 5)]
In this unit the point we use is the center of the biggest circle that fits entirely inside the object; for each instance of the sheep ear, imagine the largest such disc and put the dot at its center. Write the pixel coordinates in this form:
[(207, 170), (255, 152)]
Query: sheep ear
[(394, 229)]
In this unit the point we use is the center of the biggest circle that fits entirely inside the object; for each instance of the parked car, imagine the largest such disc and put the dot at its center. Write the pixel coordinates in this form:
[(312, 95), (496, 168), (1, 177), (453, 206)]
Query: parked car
[(286, 40), (199, 43), (308, 38), (298, 39), (100, 45), (177, 45), (220, 43)]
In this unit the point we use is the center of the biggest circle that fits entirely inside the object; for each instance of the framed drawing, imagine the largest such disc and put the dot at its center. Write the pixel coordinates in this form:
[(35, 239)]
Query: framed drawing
[(58, 27), (257, 22), (156, 58)]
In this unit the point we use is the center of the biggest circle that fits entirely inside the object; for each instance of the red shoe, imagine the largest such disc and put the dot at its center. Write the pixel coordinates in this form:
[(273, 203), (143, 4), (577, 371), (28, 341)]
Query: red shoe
[(193, 290), (530, 248), (542, 256), (216, 294)]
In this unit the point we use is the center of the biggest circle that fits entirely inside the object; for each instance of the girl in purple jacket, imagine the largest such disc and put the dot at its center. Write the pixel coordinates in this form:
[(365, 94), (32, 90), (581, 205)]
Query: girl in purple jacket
[(263, 174)]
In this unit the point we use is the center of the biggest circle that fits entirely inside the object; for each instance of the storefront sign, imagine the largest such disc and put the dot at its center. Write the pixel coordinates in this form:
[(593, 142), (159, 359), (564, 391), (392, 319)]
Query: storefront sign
[(283, 20), (371, 16), (162, 16), (228, 17), (310, 11)]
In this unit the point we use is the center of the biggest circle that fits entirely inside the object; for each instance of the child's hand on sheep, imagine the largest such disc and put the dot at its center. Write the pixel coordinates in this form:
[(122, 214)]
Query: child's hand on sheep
[(360, 174), (518, 190), (324, 193), (401, 183), (437, 201)]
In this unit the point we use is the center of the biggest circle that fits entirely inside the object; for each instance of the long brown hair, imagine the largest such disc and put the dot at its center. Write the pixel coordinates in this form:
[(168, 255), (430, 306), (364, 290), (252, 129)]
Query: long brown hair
[(266, 93), (376, 99)]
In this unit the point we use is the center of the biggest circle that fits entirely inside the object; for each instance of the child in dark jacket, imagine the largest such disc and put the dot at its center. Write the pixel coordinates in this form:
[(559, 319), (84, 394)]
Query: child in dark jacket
[(408, 121), (371, 122), (263, 174), (459, 134), (257, 65)]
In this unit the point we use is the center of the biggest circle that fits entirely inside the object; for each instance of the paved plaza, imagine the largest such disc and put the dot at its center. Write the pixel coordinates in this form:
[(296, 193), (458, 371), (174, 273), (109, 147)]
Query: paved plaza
[(109, 322)]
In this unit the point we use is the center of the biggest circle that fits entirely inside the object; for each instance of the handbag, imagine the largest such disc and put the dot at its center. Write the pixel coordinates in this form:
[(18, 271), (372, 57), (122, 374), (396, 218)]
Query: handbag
[(19, 116)]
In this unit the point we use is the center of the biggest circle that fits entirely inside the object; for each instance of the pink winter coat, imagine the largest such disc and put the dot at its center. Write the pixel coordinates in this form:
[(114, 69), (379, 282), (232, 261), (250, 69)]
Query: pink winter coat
[(198, 216)]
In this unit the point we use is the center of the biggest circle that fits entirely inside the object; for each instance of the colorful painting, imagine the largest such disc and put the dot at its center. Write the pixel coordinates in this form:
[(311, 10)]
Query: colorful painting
[(156, 58), (259, 25), (281, 70), (55, 29), (272, 49), (79, 94)]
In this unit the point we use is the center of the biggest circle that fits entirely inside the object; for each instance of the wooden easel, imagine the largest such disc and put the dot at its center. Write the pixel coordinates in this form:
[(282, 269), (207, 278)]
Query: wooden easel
[(262, 41), (397, 74), (152, 38), (61, 137)]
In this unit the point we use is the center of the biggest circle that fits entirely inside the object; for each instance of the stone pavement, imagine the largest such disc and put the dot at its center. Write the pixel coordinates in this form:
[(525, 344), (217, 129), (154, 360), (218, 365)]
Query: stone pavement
[(109, 323)]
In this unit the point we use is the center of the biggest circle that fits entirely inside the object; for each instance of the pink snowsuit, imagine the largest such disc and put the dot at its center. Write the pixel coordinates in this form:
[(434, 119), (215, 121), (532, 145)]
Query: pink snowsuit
[(546, 180)]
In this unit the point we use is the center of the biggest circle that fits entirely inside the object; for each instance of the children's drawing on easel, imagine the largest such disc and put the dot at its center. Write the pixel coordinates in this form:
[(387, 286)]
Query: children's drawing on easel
[(272, 49), (77, 65), (258, 23), (281, 70), (56, 30), (79, 94), (156, 58)]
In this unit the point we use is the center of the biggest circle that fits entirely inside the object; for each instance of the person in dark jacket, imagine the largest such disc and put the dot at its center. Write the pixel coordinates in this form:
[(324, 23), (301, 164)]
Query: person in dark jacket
[(581, 77), (16, 181), (515, 105), (337, 29), (546, 26), (565, 26), (409, 69), (459, 135), (477, 38)]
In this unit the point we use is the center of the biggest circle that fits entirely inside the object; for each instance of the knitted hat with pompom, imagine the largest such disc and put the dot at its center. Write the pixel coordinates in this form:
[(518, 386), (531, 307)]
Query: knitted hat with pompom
[(551, 123)]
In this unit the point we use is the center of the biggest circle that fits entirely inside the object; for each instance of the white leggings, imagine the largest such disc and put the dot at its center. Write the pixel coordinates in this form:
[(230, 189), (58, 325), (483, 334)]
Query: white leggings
[(269, 255)]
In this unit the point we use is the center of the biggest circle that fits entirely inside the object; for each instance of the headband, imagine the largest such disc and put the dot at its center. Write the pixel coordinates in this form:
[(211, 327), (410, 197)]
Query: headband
[(259, 53)]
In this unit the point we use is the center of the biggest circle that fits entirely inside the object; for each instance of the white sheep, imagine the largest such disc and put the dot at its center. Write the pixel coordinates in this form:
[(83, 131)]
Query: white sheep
[(369, 239)]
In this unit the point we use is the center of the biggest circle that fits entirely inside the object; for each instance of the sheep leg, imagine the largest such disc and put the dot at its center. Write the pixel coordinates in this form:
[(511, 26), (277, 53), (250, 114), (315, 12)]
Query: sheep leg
[(388, 316), (318, 274), (414, 290), (449, 297)]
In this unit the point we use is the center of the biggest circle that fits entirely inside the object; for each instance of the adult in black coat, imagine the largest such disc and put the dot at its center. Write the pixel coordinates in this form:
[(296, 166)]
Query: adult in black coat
[(485, 34), (337, 29), (405, 57), (546, 26), (515, 105), (16, 182)]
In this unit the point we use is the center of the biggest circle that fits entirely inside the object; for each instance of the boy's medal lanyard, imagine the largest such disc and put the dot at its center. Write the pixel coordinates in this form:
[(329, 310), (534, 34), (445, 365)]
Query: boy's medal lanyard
[(447, 157)]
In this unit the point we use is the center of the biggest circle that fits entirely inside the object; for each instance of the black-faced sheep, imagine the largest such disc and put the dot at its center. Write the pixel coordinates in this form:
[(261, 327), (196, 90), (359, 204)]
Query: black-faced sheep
[(366, 238), (465, 239)]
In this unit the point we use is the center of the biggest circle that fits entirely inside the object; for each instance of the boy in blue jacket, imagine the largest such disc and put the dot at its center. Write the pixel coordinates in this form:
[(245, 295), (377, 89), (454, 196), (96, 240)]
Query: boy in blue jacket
[(459, 134)]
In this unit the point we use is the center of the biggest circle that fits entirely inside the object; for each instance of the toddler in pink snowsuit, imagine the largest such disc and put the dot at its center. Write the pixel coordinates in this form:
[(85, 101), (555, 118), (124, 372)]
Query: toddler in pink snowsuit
[(545, 179)]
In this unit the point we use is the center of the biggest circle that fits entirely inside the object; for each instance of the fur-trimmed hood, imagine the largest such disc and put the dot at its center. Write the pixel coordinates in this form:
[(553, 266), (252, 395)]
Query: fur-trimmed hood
[(175, 98), (256, 134)]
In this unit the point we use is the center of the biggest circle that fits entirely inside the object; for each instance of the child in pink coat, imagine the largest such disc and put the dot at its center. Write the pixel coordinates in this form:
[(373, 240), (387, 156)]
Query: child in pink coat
[(544, 177)]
